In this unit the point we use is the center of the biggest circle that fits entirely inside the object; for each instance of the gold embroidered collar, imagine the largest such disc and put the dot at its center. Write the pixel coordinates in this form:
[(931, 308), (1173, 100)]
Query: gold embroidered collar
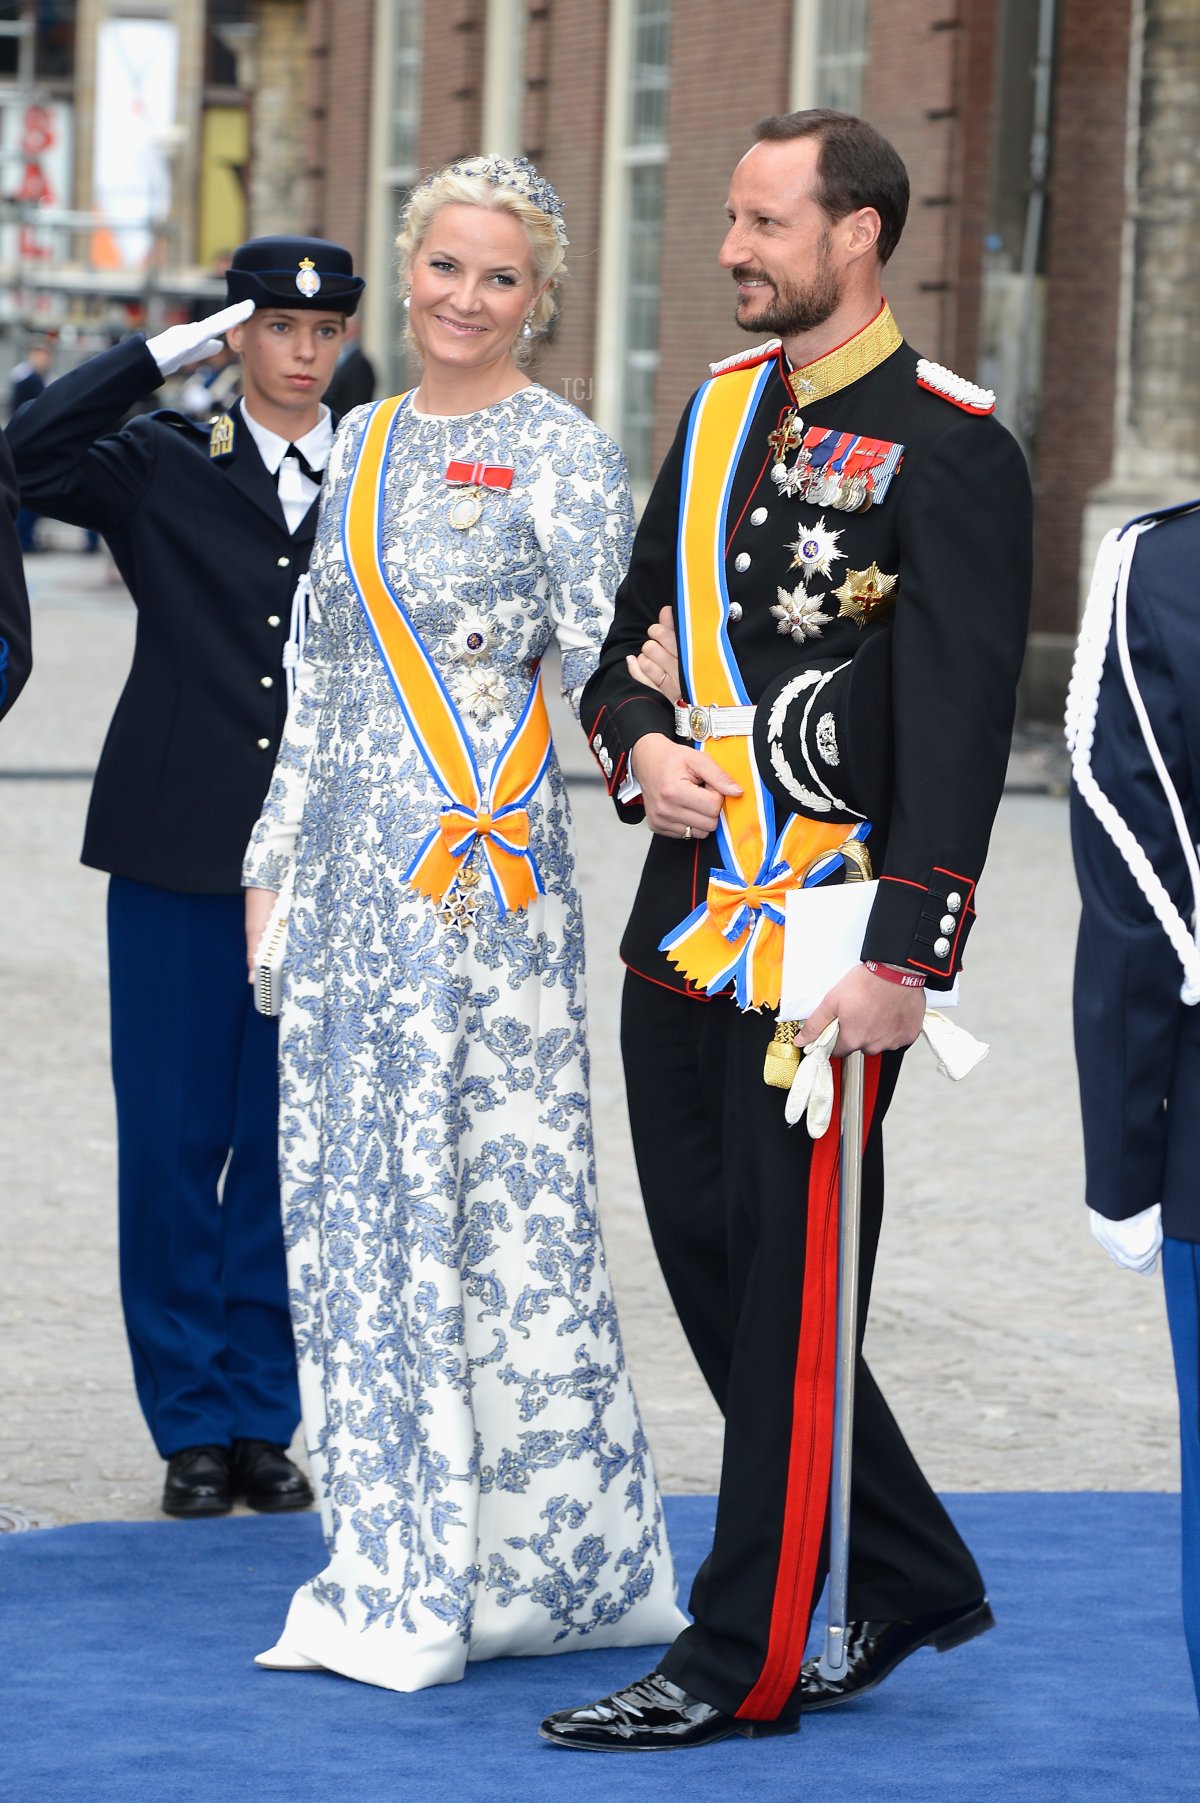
[(845, 364)]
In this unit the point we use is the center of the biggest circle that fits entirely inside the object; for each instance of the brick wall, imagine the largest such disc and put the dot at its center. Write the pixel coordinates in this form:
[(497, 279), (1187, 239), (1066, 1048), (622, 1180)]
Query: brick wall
[(452, 95), (340, 78), (567, 54), (1083, 256), (912, 94), (975, 102), (279, 121), (724, 76)]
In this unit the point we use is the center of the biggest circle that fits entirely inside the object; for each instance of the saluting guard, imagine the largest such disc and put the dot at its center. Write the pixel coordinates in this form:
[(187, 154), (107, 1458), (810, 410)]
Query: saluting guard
[(844, 534), (211, 525)]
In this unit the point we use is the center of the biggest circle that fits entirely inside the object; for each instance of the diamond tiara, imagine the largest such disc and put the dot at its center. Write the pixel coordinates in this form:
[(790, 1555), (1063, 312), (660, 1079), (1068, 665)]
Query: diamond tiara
[(519, 174)]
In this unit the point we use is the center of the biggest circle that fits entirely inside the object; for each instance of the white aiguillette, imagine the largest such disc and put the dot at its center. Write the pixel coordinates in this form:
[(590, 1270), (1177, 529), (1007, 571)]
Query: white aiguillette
[(824, 928), (268, 959)]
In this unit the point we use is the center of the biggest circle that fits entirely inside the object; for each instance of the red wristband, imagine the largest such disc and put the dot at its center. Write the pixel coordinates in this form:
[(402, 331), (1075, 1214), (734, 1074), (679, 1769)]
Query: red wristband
[(907, 979)]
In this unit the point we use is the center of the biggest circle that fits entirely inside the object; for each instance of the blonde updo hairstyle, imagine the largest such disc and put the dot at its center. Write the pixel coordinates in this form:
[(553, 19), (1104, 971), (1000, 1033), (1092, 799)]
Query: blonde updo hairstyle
[(459, 184)]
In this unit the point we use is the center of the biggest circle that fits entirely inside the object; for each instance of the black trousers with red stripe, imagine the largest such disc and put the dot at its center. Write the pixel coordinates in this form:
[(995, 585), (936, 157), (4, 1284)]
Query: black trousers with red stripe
[(743, 1213)]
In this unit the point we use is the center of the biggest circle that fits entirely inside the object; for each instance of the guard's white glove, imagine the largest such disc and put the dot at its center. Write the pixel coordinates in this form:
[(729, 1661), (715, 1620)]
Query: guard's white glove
[(1134, 1244), (193, 343)]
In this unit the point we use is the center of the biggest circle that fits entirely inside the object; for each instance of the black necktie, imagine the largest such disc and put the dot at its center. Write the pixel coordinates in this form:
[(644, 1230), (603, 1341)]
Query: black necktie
[(306, 468)]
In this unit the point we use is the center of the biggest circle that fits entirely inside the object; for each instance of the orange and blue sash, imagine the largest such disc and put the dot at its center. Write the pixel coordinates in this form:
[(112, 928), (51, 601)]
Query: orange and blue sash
[(491, 815), (736, 935)]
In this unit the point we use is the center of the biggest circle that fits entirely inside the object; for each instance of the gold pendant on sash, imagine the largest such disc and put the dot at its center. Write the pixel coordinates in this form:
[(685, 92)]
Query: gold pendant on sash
[(783, 1056), (466, 508)]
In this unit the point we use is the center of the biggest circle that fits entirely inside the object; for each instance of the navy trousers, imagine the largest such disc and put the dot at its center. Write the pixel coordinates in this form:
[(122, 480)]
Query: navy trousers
[(203, 1279), (1181, 1280)]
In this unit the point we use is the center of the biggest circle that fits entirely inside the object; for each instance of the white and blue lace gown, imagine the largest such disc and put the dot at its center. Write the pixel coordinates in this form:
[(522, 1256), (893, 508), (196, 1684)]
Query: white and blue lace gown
[(483, 1474)]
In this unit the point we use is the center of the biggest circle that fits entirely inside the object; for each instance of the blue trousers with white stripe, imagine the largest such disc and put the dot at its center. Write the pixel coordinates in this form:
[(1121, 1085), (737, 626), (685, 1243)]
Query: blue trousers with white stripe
[(203, 1279), (1181, 1280)]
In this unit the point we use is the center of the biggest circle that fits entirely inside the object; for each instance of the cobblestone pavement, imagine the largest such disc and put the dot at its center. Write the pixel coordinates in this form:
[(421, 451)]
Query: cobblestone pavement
[(1013, 1353)]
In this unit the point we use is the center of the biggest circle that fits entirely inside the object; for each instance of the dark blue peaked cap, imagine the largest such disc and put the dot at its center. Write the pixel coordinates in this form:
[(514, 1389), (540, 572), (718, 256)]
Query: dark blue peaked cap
[(306, 273)]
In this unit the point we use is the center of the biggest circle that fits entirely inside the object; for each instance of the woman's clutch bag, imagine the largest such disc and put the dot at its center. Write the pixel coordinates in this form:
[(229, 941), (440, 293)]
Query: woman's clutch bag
[(268, 960)]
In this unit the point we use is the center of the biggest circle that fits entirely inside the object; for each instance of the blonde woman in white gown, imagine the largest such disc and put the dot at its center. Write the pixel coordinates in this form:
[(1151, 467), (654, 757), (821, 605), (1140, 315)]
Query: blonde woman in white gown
[(484, 1478)]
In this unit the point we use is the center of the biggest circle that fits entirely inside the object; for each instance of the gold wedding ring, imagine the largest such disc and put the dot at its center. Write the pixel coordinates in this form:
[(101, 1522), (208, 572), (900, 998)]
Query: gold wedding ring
[(687, 832)]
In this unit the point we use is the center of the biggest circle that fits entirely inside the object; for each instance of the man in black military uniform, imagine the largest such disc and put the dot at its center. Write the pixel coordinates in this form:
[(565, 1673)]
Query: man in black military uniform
[(1133, 721), (211, 526), (830, 500)]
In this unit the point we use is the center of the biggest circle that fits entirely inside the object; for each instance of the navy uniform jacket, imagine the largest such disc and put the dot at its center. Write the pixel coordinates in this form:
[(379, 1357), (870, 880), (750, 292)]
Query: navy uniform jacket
[(1137, 1044), (204, 550), (15, 653), (955, 528)]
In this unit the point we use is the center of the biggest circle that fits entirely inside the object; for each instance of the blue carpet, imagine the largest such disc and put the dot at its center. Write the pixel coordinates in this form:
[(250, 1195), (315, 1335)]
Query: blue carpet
[(127, 1679)]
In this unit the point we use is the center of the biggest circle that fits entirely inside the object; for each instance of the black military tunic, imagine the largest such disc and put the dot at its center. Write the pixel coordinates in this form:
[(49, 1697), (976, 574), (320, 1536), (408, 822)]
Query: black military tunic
[(954, 533), (16, 654), (739, 1205), (204, 549)]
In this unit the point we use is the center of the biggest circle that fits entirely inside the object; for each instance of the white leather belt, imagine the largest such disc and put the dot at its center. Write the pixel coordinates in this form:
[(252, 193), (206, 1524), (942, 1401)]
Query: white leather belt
[(713, 722)]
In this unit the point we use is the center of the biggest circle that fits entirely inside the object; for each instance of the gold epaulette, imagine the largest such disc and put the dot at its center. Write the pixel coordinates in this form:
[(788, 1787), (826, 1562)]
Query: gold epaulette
[(220, 437), (745, 359), (955, 389)]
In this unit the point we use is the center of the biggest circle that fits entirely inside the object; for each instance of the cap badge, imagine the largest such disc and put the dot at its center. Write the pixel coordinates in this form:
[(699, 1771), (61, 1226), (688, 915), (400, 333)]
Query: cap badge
[(307, 279), (220, 437)]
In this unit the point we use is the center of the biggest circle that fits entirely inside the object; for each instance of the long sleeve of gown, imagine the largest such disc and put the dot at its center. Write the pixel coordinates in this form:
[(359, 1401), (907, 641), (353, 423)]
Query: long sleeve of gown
[(583, 516)]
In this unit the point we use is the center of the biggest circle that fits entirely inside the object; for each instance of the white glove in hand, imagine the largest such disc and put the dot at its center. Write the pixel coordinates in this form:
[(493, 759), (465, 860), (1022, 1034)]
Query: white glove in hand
[(192, 343), (1134, 1244), (811, 1093)]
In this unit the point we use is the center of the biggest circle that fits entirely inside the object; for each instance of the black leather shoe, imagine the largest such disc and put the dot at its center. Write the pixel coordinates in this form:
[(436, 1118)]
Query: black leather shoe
[(198, 1482), (875, 1648), (650, 1717), (266, 1477)]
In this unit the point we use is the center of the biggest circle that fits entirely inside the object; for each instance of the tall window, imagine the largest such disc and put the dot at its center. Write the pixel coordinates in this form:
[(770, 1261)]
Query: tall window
[(399, 115), (830, 55), (229, 30), (15, 24), (643, 155), (54, 40)]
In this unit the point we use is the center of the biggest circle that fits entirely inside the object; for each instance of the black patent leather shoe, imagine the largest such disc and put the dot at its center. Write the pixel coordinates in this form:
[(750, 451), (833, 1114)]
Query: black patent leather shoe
[(198, 1482), (651, 1716), (875, 1648), (265, 1476)]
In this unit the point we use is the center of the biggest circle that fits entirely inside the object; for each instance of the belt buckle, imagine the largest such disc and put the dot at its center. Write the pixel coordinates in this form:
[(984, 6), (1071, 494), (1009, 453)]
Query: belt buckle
[(700, 722)]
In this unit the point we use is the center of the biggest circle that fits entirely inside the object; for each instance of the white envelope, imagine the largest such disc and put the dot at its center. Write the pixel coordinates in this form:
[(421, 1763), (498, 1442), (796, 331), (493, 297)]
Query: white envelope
[(823, 934)]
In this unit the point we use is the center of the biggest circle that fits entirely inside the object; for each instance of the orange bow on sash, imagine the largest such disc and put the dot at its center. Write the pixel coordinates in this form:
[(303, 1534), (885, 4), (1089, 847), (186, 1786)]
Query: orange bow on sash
[(736, 935), (492, 815)]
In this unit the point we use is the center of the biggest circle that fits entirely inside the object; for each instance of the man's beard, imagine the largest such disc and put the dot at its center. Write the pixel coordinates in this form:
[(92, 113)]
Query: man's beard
[(791, 311)]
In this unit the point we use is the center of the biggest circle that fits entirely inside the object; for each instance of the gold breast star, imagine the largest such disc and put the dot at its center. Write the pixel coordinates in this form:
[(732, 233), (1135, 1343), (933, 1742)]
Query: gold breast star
[(863, 594)]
